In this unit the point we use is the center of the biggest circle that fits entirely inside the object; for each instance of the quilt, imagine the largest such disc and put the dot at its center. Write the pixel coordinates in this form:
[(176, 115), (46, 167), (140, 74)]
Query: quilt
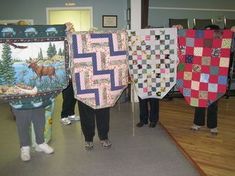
[(33, 60), (203, 68), (152, 60), (99, 67)]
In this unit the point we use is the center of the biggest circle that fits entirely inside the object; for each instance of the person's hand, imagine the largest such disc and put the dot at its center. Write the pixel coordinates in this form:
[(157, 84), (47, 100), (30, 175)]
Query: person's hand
[(178, 26), (233, 28), (69, 27)]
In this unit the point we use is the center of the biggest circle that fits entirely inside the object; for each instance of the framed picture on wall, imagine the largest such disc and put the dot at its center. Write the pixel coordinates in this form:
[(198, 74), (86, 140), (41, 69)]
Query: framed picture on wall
[(109, 21)]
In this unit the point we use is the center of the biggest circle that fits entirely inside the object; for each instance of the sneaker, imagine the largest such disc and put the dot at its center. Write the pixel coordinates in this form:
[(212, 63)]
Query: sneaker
[(106, 143), (88, 145), (25, 153), (44, 147), (214, 131), (74, 117), (195, 127), (65, 121)]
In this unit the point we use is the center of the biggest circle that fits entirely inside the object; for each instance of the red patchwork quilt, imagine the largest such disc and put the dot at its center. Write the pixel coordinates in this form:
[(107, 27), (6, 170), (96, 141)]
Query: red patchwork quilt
[(203, 67)]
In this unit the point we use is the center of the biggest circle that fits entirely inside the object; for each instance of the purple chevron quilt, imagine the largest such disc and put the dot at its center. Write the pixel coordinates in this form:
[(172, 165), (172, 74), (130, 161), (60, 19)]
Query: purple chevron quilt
[(152, 57), (99, 67)]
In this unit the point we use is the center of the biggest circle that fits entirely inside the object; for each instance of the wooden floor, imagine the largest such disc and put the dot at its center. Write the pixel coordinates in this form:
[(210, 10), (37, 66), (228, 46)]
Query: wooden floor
[(213, 155)]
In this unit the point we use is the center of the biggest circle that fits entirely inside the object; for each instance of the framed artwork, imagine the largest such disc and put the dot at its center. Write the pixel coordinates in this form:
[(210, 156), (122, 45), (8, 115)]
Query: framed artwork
[(109, 21)]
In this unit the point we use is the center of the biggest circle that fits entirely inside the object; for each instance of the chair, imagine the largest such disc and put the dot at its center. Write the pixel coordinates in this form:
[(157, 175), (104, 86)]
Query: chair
[(228, 23), (201, 23), (184, 22)]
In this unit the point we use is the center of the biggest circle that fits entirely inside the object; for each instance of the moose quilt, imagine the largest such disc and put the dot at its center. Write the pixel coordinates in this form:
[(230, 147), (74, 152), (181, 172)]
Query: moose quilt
[(99, 67), (203, 67), (33, 60), (152, 58)]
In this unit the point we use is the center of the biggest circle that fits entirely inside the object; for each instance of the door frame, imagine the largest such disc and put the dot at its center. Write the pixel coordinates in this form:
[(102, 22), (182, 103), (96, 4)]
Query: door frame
[(69, 8)]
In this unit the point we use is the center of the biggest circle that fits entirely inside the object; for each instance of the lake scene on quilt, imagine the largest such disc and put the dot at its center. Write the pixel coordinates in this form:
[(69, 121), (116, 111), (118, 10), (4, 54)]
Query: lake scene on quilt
[(31, 63)]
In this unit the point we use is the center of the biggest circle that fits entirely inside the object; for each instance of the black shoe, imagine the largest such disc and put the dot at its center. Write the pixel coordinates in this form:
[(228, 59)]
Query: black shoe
[(140, 124), (152, 125)]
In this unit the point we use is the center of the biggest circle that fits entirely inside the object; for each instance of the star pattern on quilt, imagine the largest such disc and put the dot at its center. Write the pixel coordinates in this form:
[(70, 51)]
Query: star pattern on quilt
[(99, 67), (203, 67), (152, 56)]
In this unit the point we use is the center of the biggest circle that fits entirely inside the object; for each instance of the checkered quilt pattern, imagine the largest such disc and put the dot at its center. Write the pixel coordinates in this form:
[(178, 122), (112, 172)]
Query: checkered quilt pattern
[(203, 68), (99, 67), (152, 58)]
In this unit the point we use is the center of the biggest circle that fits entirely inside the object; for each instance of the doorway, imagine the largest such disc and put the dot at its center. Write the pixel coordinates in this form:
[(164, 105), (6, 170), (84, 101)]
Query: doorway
[(80, 17)]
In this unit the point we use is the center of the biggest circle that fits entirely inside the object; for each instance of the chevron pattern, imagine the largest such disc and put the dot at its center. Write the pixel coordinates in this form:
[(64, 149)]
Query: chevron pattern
[(99, 67)]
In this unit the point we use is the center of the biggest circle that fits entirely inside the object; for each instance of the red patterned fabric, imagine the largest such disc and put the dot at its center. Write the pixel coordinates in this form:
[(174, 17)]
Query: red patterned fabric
[(203, 68)]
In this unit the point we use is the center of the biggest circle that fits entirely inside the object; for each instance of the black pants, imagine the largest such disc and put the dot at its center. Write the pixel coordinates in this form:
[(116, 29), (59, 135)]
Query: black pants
[(200, 114), (89, 116), (68, 104), (145, 114)]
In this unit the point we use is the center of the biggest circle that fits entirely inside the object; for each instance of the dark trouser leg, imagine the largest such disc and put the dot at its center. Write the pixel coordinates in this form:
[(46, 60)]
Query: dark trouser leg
[(102, 120), (154, 110), (23, 122), (199, 116), (69, 101), (87, 121), (143, 107), (38, 119), (212, 111)]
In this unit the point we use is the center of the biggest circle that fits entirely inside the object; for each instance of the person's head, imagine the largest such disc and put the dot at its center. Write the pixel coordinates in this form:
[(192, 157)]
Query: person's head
[(22, 23), (212, 27)]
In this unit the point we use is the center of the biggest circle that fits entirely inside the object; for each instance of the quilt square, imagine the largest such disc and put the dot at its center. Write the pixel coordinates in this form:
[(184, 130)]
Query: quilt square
[(190, 42), (203, 95), (208, 43), (206, 61), (224, 62), (204, 78), (198, 51)]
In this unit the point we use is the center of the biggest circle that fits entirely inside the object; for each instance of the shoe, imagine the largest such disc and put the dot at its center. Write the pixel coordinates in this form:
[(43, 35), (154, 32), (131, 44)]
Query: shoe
[(25, 153), (44, 147), (74, 117), (106, 143), (140, 124), (88, 145), (152, 125), (65, 121), (195, 127), (214, 131)]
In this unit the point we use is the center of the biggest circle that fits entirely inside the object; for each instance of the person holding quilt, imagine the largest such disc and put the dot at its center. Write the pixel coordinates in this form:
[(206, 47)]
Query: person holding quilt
[(30, 107), (212, 110), (90, 118), (69, 102), (149, 112), (27, 111)]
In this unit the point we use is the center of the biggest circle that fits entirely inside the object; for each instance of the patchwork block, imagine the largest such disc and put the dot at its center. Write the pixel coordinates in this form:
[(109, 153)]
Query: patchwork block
[(207, 61), (99, 67), (33, 60), (153, 68)]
